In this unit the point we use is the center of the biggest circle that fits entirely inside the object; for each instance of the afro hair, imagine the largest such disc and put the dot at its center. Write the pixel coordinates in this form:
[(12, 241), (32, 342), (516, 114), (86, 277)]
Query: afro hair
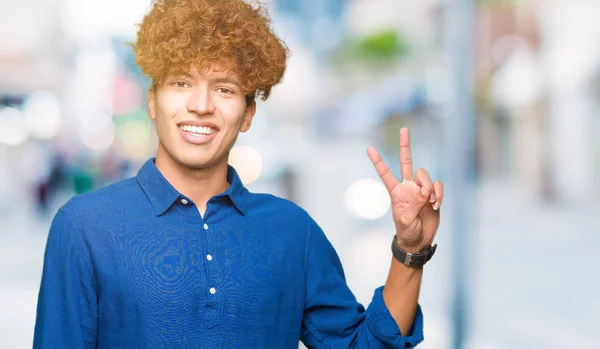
[(178, 34)]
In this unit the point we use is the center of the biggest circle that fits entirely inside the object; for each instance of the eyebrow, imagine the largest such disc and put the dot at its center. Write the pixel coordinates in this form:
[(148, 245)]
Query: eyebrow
[(221, 80), (226, 80)]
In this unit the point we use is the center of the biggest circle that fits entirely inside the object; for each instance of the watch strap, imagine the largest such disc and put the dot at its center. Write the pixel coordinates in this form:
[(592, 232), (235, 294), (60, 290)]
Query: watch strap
[(412, 259)]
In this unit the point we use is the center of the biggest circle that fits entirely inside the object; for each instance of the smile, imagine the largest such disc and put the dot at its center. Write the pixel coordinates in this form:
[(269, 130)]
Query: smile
[(199, 130)]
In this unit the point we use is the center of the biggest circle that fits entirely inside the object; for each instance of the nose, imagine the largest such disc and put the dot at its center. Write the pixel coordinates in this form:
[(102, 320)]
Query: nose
[(200, 102)]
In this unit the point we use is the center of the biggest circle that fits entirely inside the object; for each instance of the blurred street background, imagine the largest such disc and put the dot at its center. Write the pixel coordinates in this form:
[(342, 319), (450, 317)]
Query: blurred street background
[(502, 98)]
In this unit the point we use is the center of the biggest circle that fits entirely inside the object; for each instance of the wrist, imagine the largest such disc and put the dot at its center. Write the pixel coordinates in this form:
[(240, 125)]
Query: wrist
[(414, 247), (412, 259)]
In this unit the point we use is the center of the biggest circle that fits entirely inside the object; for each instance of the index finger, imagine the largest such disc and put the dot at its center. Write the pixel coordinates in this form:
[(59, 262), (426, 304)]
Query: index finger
[(382, 170), (405, 158)]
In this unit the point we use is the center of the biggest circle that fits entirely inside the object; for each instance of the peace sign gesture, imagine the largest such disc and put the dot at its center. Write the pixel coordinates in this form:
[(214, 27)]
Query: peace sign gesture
[(415, 200)]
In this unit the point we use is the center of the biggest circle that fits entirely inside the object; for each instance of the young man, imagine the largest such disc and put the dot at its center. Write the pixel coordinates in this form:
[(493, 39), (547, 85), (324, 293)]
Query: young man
[(183, 255)]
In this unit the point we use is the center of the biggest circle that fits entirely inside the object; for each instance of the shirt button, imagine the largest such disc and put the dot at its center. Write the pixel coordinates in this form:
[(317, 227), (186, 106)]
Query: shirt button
[(184, 201), (205, 226), (209, 257), (212, 290)]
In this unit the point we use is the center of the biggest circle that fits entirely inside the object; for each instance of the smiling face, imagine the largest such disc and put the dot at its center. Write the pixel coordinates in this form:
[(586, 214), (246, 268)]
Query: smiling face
[(199, 116)]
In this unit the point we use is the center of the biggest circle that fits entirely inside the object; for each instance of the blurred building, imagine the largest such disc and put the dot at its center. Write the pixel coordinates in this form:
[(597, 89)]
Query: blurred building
[(537, 66)]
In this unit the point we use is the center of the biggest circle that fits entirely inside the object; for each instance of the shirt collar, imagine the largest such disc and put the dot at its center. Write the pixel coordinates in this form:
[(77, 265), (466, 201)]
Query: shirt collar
[(162, 194)]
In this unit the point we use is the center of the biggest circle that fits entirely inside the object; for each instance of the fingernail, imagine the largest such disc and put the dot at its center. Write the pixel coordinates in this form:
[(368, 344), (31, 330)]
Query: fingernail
[(424, 190), (431, 198), (436, 206)]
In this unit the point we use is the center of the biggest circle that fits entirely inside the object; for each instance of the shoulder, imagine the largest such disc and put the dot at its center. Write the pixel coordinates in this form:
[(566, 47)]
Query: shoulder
[(284, 214), (277, 207), (76, 223), (101, 201)]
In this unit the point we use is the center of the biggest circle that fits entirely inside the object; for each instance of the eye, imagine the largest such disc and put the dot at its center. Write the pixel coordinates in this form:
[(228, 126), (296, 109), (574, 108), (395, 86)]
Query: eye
[(181, 84), (224, 90)]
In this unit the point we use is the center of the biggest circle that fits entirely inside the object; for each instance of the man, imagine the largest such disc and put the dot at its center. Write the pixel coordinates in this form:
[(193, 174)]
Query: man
[(183, 256)]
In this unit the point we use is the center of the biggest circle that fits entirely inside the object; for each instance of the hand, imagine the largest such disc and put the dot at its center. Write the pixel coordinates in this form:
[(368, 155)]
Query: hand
[(415, 201)]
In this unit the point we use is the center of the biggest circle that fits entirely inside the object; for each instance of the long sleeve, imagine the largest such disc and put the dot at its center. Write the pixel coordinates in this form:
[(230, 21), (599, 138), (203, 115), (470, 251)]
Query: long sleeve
[(332, 316), (67, 302)]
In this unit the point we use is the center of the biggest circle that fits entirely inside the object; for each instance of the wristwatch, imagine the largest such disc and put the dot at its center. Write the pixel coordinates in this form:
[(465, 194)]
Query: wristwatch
[(412, 259)]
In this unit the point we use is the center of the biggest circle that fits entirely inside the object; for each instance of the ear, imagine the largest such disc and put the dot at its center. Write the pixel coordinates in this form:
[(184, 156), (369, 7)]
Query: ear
[(151, 103), (250, 112)]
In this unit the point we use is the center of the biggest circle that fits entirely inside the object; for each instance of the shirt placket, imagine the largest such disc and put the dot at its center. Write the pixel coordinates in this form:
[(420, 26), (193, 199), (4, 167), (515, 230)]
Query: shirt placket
[(211, 289), (211, 258)]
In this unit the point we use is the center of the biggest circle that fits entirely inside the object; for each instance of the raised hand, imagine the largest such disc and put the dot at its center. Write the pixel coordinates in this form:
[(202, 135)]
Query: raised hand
[(415, 201)]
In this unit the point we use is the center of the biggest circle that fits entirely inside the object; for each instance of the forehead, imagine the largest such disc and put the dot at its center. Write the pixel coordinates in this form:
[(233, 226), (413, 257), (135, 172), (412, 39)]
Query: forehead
[(214, 71)]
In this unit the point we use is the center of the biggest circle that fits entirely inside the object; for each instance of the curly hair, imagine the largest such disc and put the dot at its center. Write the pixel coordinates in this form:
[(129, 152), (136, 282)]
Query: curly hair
[(232, 34)]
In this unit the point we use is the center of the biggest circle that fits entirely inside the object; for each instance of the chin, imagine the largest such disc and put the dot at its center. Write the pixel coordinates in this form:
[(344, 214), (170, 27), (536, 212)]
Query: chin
[(192, 157), (194, 161)]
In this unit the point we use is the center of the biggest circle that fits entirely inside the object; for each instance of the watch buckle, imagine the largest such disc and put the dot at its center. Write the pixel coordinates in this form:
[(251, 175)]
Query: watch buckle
[(408, 258)]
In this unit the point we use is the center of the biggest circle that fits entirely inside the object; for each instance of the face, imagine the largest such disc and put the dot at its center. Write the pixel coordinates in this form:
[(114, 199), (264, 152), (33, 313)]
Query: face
[(199, 117)]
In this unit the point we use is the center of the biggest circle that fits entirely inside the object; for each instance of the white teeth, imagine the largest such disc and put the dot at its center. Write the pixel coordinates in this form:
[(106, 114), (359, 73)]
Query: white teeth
[(198, 130)]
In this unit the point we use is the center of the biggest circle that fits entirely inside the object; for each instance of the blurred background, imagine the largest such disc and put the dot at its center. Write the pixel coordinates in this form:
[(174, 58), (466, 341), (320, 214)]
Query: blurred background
[(502, 98)]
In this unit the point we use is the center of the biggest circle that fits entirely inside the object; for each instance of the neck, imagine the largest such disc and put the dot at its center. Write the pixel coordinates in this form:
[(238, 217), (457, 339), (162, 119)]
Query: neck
[(198, 184)]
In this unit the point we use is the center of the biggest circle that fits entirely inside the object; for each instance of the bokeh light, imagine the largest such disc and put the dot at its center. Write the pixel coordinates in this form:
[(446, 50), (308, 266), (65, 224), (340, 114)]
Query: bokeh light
[(134, 133), (248, 163), (43, 115), (98, 139), (367, 199), (13, 129)]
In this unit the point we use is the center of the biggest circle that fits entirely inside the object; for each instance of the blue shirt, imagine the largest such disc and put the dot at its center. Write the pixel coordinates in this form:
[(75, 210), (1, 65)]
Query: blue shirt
[(134, 265)]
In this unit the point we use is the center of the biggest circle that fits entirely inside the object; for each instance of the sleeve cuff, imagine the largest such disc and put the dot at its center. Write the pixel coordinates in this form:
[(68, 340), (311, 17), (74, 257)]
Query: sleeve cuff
[(383, 326)]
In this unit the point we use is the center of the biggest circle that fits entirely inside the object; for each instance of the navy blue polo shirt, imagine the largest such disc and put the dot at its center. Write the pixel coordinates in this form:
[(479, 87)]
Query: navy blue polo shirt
[(134, 265)]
